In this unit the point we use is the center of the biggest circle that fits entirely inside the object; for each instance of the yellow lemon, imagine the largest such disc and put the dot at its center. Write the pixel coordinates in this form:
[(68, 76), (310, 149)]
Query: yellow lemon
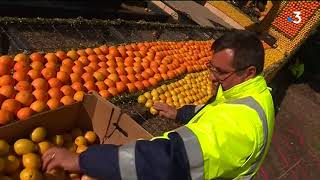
[(39, 134)]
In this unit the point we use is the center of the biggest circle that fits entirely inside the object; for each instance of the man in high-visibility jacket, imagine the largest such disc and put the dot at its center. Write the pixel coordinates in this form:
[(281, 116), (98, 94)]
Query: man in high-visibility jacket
[(227, 138)]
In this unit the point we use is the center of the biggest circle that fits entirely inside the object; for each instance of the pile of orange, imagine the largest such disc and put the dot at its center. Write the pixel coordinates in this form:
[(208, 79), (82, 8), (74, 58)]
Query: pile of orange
[(38, 82), (306, 9), (22, 160), (194, 88)]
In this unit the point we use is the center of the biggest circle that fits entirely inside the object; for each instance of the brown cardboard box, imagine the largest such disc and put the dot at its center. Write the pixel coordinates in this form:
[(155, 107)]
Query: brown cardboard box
[(94, 113)]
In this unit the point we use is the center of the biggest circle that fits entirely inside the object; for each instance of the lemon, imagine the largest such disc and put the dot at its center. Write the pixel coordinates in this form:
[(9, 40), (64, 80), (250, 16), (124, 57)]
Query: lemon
[(91, 137), (24, 146), (142, 99), (58, 140), (31, 161), (44, 146), (153, 111), (80, 140), (39, 134), (81, 148), (30, 174)]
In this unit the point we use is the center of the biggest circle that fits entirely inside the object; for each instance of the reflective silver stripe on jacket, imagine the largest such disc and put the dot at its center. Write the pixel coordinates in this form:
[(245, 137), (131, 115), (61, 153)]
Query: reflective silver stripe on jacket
[(194, 152), (127, 164), (252, 103)]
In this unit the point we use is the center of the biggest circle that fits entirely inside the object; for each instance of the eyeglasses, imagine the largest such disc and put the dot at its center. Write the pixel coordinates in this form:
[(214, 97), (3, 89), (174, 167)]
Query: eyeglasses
[(220, 73)]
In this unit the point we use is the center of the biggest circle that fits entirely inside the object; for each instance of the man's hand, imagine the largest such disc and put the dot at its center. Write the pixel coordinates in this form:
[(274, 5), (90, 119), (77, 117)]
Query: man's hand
[(165, 110), (60, 158)]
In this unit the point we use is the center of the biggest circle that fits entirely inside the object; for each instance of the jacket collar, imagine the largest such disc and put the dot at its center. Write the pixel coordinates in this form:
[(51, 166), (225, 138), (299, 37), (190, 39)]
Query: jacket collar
[(247, 88)]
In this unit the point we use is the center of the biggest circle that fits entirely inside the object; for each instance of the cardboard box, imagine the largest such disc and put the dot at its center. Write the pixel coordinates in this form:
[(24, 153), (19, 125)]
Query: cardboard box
[(94, 113)]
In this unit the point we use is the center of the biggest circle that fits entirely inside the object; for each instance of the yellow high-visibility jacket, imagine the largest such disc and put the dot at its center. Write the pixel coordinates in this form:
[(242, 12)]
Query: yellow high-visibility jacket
[(227, 139)]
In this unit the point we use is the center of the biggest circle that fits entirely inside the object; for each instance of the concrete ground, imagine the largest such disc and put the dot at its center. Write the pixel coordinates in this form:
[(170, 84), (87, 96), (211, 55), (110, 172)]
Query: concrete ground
[(295, 150)]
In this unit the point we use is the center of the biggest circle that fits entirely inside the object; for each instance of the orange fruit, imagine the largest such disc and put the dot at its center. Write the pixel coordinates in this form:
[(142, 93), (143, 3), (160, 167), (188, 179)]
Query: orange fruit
[(113, 91), (24, 97), (20, 76), (88, 69), (40, 83), (84, 60), (132, 78), (66, 69), (111, 70), (40, 94), (87, 77), (5, 116), (77, 86), (114, 77), (90, 86), (124, 79), (114, 51), (21, 66), (38, 106), (6, 80), (102, 64), (55, 82), (4, 69), (139, 85), (101, 85), (105, 93), (21, 57), (171, 74), (48, 73), (98, 76), (63, 77), (89, 51), (11, 105), (51, 57), (24, 113), (7, 60), (37, 57), (61, 54), (121, 87), (34, 74), (104, 49), (81, 52), (78, 69), (121, 71), (37, 65), (75, 77), (78, 96), (109, 83), (67, 100), (67, 90), (23, 86), (53, 103), (67, 62), (93, 58), (131, 87), (153, 81), (72, 54), (51, 65), (146, 83), (8, 91), (55, 93), (104, 71)]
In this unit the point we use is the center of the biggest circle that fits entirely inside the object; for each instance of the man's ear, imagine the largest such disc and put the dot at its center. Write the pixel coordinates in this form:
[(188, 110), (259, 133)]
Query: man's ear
[(251, 72)]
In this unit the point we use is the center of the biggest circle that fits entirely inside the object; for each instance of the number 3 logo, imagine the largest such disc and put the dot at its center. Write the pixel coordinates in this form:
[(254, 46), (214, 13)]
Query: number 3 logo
[(297, 13)]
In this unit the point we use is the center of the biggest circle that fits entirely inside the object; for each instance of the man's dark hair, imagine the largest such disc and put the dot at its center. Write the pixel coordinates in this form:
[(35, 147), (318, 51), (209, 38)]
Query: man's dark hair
[(248, 49)]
